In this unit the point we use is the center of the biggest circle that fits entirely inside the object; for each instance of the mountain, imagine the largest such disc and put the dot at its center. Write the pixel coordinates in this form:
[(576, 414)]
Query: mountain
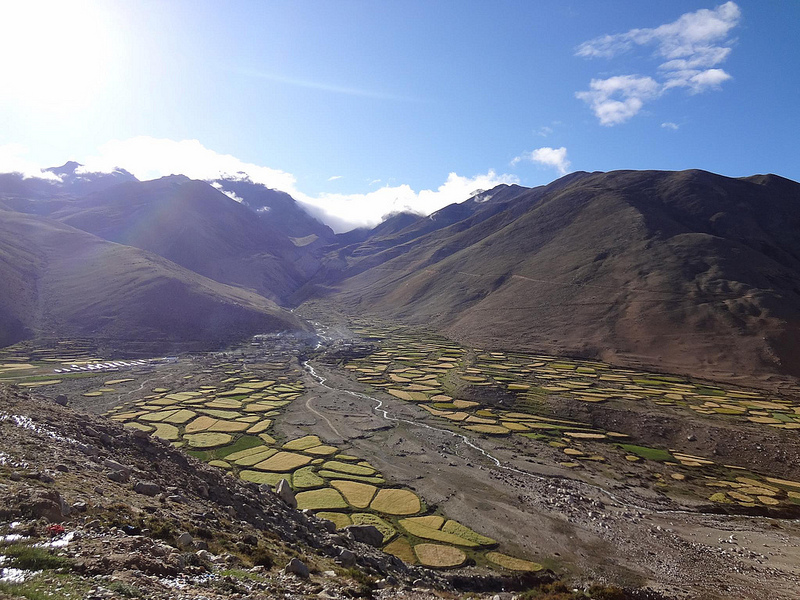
[(78, 183), (685, 271), (682, 271), (198, 227), (64, 282), (278, 209), (42, 196)]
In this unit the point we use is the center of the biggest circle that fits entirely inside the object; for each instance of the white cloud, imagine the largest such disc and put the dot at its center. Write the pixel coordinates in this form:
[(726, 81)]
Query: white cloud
[(692, 36), (697, 81), (670, 125), (334, 177), (12, 160), (345, 211), (617, 99), (232, 195), (549, 157), (692, 47), (148, 158)]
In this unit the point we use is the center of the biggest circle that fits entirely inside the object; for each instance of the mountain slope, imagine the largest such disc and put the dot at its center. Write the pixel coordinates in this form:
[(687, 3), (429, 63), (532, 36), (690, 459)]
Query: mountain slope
[(277, 208), (198, 227), (60, 281), (687, 271)]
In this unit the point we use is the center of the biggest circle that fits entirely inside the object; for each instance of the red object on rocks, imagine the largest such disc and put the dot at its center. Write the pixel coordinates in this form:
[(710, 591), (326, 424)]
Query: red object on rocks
[(55, 529)]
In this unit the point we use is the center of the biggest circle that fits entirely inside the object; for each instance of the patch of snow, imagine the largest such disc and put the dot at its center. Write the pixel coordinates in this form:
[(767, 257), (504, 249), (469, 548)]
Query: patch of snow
[(24, 422), (12, 575), (59, 542)]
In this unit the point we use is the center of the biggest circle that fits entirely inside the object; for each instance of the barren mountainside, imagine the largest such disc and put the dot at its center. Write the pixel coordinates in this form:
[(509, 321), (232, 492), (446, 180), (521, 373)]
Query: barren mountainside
[(687, 271), (62, 282), (682, 271)]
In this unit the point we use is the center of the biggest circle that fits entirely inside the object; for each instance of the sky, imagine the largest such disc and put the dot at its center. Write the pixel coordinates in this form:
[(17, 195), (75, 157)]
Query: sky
[(361, 108)]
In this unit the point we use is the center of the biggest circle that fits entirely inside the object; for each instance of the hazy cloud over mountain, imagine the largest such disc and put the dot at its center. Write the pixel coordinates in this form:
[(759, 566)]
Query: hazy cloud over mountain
[(149, 158)]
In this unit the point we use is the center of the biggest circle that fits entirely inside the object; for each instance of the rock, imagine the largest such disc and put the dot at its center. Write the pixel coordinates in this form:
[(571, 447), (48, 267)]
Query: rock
[(79, 506), (366, 534), (285, 493), (185, 539), (44, 477), (61, 400), (48, 504), (118, 476), (691, 438), (297, 567), (116, 466), (329, 526), (147, 488), (346, 558), (205, 556)]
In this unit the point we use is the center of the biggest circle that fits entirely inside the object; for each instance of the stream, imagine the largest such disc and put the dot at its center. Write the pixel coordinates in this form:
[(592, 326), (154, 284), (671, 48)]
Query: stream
[(379, 409)]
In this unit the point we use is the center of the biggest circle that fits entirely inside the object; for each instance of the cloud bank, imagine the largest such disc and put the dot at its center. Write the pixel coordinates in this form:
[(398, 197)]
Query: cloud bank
[(548, 157), (691, 49), (12, 160), (150, 158), (344, 211)]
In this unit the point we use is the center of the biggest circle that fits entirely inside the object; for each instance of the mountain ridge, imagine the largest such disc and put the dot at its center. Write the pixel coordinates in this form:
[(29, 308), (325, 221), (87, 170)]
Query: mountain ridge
[(584, 257), (686, 270)]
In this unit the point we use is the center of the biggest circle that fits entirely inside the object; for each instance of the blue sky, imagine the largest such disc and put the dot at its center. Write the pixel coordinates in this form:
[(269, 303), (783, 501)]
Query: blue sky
[(360, 107)]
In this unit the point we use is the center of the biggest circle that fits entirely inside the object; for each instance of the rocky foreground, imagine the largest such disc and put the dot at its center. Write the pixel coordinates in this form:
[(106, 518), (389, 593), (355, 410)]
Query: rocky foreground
[(89, 509)]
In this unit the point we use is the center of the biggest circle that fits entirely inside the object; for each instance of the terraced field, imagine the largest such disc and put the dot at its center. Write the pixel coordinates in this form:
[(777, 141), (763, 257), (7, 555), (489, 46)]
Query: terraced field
[(502, 394), (229, 426)]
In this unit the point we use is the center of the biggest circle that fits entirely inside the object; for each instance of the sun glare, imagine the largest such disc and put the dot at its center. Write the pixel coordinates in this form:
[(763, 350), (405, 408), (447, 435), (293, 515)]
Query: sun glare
[(55, 54)]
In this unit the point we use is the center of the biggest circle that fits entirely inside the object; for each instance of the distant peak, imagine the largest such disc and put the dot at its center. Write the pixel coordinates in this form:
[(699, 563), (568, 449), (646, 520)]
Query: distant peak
[(68, 168)]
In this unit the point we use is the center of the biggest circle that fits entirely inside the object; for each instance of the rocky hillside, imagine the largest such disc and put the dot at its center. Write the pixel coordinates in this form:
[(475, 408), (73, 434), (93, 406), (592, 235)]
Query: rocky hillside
[(115, 513), (90, 509)]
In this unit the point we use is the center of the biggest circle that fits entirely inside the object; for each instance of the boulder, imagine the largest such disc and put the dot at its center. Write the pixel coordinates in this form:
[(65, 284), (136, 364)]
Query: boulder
[(49, 505), (61, 400), (185, 539), (366, 534), (285, 493), (297, 567), (113, 465), (118, 476), (147, 488), (346, 558)]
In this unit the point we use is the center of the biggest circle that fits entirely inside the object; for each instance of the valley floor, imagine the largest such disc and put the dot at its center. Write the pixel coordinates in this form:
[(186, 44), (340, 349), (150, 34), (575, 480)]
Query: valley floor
[(615, 477)]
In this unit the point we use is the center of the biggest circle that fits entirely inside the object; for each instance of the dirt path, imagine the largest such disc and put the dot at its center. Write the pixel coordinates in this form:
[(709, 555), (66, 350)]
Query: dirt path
[(323, 417)]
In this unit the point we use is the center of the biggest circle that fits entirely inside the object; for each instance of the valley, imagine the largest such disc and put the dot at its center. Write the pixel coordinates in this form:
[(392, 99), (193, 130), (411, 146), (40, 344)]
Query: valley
[(590, 382), (500, 461)]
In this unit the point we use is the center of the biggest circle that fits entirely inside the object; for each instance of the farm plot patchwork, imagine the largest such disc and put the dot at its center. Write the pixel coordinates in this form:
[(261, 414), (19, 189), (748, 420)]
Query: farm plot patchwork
[(432, 372), (228, 426)]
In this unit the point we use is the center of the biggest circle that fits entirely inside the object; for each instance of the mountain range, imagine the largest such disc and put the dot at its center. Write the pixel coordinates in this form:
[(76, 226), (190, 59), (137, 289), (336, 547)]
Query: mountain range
[(685, 271)]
